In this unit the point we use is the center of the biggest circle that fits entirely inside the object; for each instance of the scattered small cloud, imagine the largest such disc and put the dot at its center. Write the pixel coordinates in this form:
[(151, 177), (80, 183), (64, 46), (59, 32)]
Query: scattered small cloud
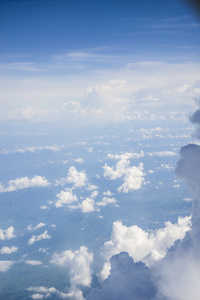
[(24, 183), (7, 234), (8, 250), (31, 227), (40, 237)]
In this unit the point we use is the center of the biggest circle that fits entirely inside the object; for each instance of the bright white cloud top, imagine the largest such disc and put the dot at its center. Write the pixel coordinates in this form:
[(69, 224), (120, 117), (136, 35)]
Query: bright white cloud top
[(25, 183)]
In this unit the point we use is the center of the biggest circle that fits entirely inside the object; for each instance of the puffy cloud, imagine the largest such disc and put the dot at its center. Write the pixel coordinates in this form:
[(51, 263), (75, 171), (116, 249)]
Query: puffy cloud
[(92, 187), (78, 179), (65, 197), (133, 179), (24, 183), (40, 237), (5, 265), (106, 201), (87, 205), (44, 293), (40, 225), (148, 247), (78, 262), (177, 276), (127, 280), (7, 234), (8, 250), (108, 193), (121, 165)]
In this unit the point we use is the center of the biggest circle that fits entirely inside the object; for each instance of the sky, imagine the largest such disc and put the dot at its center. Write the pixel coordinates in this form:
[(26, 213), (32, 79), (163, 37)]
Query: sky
[(99, 152)]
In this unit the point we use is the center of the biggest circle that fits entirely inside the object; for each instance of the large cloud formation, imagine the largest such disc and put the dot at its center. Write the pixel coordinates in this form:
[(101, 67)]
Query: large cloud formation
[(127, 280), (173, 272)]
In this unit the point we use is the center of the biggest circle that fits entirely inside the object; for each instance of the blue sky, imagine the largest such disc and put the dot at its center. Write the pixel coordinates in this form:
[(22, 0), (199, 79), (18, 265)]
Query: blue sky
[(138, 28), (48, 48)]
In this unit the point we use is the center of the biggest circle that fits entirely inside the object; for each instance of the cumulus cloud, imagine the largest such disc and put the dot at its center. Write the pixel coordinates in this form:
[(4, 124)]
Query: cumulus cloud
[(148, 247), (79, 265), (36, 238), (87, 205), (127, 280), (5, 265), (7, 234), (106, 201), (78, 179), (65, 197), (133, 177), (39, 225), (24, 183), (8, 250), (177, 276)]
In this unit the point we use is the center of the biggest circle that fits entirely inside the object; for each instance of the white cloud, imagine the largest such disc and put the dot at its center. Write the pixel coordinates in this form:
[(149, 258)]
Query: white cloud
[(162, 153), (78, 262), (106, 201), (141, 245), (108, 193), (44, 293), (33, 262), (151, 171), (5, 265), (29, 113), (40, 237), (133, 179), (8, 250), (87, 205), (65, 197), (126, 155), (40, 225), (92, 187), (33, 149), (37, 296), (79, 160), (78, 179), (24, 183), (175, 186), (7, 234)]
